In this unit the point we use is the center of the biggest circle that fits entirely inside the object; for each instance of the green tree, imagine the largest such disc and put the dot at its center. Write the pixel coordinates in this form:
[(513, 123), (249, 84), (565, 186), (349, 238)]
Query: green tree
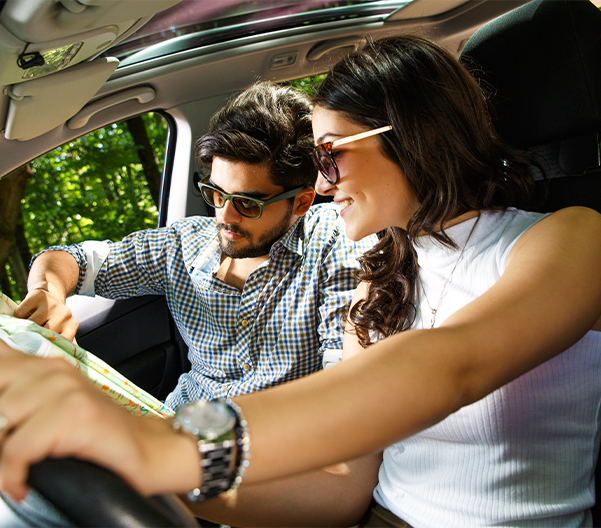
[(101, 186), (307, 84)]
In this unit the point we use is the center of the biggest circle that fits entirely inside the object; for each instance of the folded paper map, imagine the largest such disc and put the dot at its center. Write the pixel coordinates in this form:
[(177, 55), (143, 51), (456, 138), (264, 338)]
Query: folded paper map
[(32, 339)]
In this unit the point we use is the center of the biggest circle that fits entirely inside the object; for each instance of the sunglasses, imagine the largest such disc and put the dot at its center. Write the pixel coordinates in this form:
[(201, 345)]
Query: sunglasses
[(244, 205), (324, 158)]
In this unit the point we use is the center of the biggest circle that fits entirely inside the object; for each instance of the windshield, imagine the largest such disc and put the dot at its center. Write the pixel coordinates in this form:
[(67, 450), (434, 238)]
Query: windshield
[(218, 20)]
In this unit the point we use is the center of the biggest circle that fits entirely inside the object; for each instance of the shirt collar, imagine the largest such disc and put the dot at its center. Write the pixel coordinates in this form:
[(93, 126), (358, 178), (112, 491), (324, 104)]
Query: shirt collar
[(293, 240)]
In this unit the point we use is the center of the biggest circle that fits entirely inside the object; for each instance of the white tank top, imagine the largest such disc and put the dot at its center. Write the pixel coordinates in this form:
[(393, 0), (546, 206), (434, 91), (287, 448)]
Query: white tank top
[(524, 456)]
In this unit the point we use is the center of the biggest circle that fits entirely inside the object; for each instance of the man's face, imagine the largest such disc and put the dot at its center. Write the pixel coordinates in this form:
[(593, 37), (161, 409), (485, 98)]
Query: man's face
[(242, 237)]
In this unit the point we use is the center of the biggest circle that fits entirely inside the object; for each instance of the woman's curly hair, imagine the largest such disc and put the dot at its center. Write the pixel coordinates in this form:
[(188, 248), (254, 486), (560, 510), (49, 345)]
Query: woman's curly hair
[(445, 144)]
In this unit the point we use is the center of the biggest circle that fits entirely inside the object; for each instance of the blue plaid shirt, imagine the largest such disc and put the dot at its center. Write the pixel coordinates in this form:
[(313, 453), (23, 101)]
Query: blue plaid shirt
[(279, 328)]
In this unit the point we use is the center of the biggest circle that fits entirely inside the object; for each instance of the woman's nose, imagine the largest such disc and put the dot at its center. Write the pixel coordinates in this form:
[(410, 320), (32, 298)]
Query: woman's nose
[(322, 186)]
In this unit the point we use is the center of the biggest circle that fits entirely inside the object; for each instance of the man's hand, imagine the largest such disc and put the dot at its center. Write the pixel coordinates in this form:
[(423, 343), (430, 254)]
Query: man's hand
[(48, 310), (52, 278)]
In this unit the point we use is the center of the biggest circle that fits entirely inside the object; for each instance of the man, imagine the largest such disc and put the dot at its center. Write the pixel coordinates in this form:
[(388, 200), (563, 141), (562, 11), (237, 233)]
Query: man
[(256, 292)]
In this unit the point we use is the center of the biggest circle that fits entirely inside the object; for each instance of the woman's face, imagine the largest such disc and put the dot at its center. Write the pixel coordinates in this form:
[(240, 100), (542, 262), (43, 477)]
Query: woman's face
[(372, 192)]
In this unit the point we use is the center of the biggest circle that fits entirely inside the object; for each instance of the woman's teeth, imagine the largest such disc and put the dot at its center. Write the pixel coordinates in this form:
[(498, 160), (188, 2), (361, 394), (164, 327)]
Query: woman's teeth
[(346, 203)]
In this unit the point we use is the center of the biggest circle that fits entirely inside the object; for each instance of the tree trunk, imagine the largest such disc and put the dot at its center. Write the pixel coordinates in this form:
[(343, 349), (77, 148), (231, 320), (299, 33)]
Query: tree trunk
[(5, 286), (145, 152), (12, 190), (22, 243), (18, 271)]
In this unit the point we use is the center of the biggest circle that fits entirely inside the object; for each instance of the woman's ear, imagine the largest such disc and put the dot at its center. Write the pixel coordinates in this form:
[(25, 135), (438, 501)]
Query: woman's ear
[(303, 200)]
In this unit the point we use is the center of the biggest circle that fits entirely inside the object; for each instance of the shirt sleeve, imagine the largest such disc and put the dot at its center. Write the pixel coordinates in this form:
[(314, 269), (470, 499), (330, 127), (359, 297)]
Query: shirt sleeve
[(95, 253), (338, 283), (137, 265), (77, 252), (134, 266)]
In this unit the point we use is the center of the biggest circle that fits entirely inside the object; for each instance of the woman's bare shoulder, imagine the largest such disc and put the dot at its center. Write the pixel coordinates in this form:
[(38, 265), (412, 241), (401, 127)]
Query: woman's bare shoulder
[(569, 229)]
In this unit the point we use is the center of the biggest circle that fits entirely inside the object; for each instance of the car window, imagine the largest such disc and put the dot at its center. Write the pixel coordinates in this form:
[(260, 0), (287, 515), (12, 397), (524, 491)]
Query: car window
[(213, 21), (103, 185), (307, 84)]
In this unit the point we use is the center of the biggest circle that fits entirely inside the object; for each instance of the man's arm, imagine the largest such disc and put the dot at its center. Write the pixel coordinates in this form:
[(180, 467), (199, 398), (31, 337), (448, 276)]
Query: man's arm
[(337, 495), (52, 278), (82, 268), (337, 286)]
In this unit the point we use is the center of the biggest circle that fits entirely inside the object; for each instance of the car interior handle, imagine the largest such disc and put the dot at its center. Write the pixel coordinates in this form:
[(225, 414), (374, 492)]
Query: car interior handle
[(144, 94), (323, 48)]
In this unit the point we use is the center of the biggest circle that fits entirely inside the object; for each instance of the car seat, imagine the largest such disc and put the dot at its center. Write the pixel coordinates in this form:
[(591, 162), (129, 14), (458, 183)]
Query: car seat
[(542, 63)]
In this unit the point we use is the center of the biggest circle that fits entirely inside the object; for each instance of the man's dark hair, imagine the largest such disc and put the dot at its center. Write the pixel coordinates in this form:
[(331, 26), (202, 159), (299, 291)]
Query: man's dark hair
[(265, 124)]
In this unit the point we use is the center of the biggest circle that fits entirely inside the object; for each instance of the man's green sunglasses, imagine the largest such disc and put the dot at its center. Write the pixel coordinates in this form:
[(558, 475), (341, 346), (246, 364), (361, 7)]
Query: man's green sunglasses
[(245, 205)]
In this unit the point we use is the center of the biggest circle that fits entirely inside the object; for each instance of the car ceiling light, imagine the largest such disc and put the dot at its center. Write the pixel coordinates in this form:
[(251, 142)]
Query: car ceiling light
[(54, 60)]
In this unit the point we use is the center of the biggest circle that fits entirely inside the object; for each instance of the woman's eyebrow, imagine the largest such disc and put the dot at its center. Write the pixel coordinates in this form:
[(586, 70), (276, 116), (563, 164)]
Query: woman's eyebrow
[(250, 194), (322, 139)]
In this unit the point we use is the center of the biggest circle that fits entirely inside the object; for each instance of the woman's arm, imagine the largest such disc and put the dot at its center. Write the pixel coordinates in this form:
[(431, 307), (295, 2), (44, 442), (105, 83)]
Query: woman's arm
[(48, 409), (547, 299)]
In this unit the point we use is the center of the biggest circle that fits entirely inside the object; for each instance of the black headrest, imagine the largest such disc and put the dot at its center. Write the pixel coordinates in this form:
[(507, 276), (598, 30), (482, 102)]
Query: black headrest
[(544, 62)]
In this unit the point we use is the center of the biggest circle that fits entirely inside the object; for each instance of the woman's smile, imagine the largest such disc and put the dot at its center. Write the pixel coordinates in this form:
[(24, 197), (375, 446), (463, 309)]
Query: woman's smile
[(369, 181)]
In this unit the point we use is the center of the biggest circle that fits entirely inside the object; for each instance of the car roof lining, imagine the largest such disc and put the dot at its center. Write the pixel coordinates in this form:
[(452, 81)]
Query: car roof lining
[(191, 77)]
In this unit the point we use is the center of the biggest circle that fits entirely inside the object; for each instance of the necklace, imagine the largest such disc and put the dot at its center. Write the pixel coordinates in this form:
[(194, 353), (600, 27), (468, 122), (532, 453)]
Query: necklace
[(434, 311)]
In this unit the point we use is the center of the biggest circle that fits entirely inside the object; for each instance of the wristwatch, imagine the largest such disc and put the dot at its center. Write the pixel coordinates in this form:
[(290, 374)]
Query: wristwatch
[(213, 424)]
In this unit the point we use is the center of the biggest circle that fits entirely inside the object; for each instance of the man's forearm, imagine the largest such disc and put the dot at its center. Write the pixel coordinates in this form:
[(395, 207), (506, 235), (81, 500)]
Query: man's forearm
[(56, 272)]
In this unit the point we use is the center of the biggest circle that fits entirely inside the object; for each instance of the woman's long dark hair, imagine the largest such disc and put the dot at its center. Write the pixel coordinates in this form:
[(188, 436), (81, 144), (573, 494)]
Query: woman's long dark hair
[(445, 144)]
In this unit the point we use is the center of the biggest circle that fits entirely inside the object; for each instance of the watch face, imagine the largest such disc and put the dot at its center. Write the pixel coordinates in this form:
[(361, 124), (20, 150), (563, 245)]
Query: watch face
[(206, 419)]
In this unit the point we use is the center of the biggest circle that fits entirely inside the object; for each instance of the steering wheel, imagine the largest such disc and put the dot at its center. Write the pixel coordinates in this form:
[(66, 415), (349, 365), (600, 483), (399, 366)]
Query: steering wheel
[(90, 495)]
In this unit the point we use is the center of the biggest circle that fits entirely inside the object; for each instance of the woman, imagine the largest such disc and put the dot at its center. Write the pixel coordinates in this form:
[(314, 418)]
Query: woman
[(477, 321)]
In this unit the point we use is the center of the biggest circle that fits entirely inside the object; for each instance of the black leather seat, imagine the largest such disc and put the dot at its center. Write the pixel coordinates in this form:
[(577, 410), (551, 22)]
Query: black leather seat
[(543, 61), (543, 64)]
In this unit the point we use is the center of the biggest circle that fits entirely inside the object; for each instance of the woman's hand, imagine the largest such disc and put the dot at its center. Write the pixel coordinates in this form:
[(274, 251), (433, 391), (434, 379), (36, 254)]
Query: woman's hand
[(48, 409)]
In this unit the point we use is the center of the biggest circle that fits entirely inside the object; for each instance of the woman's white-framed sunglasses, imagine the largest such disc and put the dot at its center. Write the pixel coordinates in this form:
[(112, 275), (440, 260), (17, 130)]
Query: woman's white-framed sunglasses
[(322, 153)]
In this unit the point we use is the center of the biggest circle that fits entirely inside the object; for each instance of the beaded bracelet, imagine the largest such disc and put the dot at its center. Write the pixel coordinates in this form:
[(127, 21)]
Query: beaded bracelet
[(243, 446)]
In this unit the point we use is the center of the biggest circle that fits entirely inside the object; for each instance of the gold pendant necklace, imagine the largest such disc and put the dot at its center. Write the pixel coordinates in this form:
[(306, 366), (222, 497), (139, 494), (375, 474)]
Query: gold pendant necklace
[(434, 311)]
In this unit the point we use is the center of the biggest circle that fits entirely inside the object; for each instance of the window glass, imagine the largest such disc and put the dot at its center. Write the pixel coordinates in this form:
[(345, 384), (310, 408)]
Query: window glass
[(100, 186), (307, 84), (212, 21)]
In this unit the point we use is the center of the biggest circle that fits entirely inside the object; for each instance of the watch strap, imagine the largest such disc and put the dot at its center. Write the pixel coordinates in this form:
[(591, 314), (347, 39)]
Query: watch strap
[(215, 465)]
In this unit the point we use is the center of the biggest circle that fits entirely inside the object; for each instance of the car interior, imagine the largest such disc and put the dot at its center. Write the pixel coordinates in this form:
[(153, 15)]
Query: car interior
[(69, 67)]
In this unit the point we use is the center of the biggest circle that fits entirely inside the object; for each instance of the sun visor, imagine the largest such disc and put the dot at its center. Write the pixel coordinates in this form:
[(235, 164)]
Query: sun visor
[(35, 21), (40, 105)]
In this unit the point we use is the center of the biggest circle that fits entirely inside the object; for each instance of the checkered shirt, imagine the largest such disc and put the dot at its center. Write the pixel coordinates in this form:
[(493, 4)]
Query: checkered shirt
[(275, 330)]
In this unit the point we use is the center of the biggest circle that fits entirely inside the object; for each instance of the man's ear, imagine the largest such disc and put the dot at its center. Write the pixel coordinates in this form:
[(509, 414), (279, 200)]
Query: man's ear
[(303, 200)]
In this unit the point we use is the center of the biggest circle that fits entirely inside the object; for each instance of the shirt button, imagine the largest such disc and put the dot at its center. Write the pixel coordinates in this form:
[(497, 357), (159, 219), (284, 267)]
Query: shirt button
[(244, 322), (246, 367)]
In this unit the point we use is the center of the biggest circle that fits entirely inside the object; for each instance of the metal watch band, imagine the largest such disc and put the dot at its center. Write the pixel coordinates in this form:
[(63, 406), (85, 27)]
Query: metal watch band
[(216, 443), (216, 472)]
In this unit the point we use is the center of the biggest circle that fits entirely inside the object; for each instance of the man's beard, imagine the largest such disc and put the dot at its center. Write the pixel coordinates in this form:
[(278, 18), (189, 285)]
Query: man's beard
[(262, 246)]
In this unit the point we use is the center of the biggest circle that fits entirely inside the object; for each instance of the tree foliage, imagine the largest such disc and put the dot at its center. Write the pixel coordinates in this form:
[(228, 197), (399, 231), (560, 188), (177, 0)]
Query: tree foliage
[(307, 84), (93, 188)]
